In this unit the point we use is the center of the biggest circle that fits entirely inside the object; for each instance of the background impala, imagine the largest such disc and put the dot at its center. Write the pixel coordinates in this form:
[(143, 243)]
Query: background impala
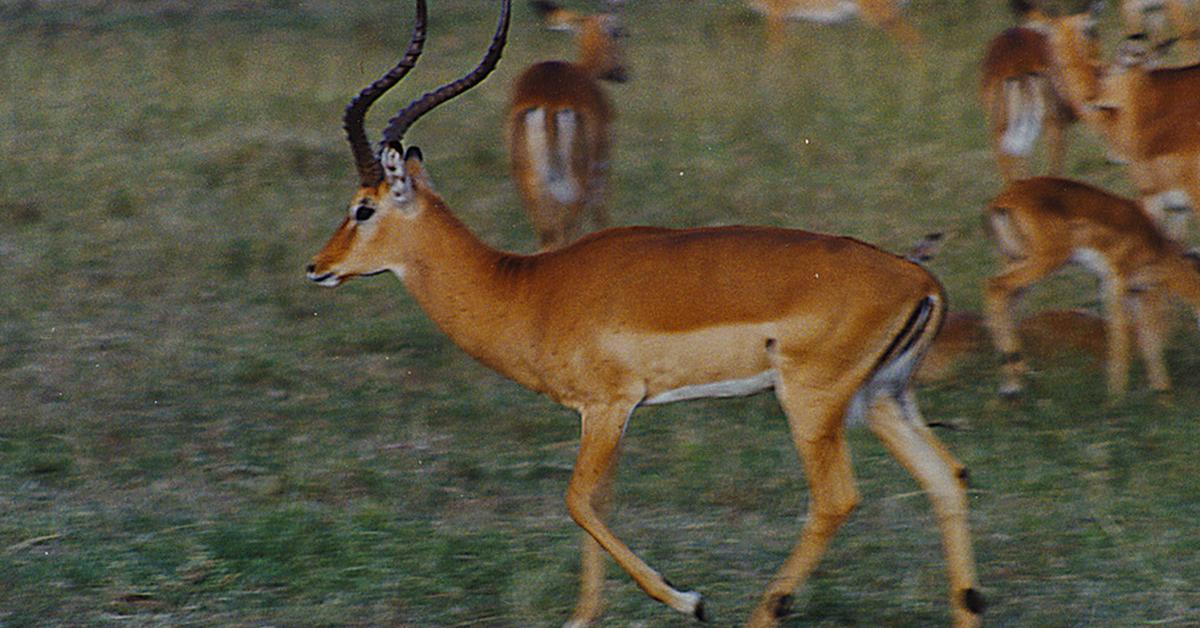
[(560, 127), (885, 14), (1041, 224), (1155, 109)]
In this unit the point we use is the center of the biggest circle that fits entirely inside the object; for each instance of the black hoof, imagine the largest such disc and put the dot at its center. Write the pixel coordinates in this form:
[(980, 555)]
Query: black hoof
[(700, 614), (973, 601), (781, 606)]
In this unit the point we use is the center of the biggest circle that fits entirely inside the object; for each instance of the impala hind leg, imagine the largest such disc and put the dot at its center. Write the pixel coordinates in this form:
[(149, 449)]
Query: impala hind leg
[(908, 401), (905, 435), (587, 498), (816, 418)]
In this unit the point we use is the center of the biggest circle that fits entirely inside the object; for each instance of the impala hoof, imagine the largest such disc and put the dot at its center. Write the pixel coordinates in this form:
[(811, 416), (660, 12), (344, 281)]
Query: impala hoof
[(973, 601), (781, 606), (692, 603)]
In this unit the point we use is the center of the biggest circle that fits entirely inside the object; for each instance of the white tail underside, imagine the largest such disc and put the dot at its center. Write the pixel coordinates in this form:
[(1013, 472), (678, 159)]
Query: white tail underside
[(552, 165), (1026, 107)]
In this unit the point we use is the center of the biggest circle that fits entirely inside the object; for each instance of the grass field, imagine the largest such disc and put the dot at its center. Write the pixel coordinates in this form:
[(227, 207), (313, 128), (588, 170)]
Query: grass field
[(192, 434)]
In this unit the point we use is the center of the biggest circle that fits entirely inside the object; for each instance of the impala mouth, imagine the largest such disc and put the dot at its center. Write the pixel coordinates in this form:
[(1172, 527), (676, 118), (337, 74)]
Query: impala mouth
[(333, 280), (329, 280)]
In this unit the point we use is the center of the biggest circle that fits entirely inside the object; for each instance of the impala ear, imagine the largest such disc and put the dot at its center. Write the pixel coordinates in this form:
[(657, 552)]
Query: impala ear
[(395, 172), (414, 165)]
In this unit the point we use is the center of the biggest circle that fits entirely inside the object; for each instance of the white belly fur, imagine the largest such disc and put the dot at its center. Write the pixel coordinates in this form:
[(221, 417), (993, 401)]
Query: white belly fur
[(728, 388)]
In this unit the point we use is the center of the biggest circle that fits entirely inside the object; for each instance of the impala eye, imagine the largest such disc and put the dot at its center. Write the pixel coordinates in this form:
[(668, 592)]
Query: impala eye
[(364, 213)]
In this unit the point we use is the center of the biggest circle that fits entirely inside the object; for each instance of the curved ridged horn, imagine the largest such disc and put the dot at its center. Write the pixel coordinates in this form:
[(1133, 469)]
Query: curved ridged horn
[(370, 171), (394, 132)]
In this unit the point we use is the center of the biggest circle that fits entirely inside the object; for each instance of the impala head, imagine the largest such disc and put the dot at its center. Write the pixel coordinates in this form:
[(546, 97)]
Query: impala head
[(599, 36), (393, 184)]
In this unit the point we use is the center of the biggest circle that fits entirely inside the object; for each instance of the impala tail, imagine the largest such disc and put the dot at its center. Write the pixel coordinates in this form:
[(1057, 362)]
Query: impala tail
[(1025, 109), (555, 144), (901, 358)]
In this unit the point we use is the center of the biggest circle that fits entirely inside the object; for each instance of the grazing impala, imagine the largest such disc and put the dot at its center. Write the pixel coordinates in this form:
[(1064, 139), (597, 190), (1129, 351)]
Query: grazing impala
[(884, 14), (1156, 110), (1024, 86), (559, 128), (643, 316), (1041, 224)]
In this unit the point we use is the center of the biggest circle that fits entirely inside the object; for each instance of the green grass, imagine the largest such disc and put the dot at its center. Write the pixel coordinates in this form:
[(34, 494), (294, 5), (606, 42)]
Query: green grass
[(191, 434)]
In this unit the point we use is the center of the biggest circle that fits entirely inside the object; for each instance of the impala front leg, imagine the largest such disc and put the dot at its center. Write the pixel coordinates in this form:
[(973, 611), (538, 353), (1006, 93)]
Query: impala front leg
[(586, 499), (593, 558)]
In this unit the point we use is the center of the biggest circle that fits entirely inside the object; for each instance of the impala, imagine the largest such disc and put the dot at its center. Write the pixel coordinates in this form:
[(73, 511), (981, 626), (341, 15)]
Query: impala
[(641, 316), (1156, 111), (1041, 224), (1025, 88), (559, 128), (884, 14)]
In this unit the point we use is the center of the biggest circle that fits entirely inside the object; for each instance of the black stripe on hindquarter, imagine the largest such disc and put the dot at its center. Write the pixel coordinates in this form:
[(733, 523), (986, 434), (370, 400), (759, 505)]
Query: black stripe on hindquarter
[(904, 341)]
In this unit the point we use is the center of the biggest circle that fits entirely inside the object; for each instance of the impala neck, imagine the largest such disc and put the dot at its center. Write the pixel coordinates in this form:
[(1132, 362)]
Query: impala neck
[(1078, 72), (1079, 81), (454, 276), (595, 50)]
